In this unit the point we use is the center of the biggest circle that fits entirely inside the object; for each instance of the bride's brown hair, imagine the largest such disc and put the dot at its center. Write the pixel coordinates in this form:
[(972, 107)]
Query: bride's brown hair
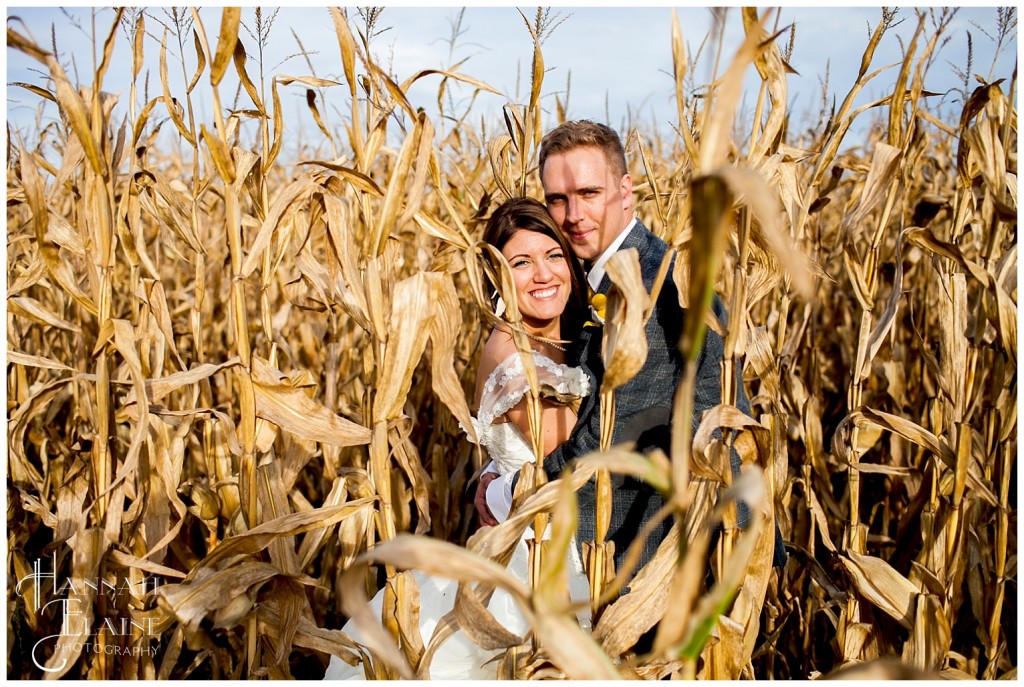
[(527, 214)]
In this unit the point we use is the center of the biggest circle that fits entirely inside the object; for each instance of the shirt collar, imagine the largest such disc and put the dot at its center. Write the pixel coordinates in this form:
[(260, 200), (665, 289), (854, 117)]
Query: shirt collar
[(596, 273)]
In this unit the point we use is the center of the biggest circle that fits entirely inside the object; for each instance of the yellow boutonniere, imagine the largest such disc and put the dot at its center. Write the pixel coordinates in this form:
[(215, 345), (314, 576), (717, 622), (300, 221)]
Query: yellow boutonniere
[(598, 304)]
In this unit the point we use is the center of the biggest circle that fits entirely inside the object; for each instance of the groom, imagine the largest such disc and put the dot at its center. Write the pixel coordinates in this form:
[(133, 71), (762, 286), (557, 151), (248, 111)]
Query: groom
[(589, 193)]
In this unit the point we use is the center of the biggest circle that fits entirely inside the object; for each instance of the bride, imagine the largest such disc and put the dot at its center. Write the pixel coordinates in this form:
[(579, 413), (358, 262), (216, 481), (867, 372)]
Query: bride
[(551, 295)]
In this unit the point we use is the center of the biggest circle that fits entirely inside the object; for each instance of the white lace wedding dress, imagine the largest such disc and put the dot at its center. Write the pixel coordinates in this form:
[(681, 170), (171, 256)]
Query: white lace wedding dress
[(459, 658)]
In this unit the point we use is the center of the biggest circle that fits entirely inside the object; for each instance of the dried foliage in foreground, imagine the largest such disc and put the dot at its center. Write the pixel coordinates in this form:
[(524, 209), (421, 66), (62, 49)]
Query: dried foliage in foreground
[(235, 387)]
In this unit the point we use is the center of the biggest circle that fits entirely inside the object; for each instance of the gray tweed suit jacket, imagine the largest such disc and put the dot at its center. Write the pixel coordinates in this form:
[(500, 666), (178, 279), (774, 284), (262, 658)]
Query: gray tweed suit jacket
[(643, 406)]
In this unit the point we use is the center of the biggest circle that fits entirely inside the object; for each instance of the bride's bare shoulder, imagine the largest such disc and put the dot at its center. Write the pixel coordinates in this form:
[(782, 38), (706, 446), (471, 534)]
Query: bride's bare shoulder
[(499, 345)]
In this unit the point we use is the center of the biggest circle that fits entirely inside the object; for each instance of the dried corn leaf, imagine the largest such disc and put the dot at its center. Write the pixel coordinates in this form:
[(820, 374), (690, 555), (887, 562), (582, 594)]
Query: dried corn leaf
[(505, 535), (424, 162), (358, 180), (200, 61), (74, 633), (28, 278), (220, 153), (315, 539), (1007, 320), (553, 581), (429, 556), (272, 495), (986, 149), (710, 213), (160, 387), (125, 343), (347, 45), (679, 68), (652, 468), (129, 561), (689, 640), (818, 513), (396, 193), (239, 57), (171, 103), (291, 408), (41, 92), (717, 118), (307, 634), (230, 20), (930, 635), (397, 93), (773, 71), (434, 227), (626, 619), (624, 343), (408, 615), (411, 313), (169, 205), (879, 583), (341, 238), (922, 437), (536, 76), (59, 269), (572, 649), (723, 417), (157, 302), (22, 470), (314, 81), (455, 76), (751, 188), (261, 536), (108, 49), (761, 357), (885, 162), (207, 590), (35, 311), (68, 97), (405, 455), (60, 232), (478, 624), (19, 358)]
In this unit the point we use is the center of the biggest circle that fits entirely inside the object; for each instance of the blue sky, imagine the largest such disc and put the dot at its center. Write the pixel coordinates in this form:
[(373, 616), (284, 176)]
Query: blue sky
[(619, 59)]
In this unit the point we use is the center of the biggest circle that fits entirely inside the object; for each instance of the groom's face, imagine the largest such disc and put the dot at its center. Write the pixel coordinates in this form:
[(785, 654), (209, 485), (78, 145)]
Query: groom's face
[(587, 199)]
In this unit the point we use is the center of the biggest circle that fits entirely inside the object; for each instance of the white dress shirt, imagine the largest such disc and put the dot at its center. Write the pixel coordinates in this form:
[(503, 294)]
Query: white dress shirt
[(596, 273), (499, 491)]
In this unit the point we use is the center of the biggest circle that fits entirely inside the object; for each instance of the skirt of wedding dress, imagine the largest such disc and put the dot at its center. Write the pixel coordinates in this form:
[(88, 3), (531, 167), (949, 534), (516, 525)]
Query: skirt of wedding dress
[(459, 658)]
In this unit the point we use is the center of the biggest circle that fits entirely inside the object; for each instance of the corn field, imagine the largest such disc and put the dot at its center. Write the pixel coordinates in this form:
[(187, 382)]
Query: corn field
[(235, 383)]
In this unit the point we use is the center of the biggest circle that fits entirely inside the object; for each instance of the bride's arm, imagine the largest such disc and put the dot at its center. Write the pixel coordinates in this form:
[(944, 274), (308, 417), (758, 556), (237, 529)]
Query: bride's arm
[(493, 501)]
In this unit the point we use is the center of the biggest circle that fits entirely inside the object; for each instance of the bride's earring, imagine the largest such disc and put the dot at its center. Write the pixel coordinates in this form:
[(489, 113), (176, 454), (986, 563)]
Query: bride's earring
[(499, 306)]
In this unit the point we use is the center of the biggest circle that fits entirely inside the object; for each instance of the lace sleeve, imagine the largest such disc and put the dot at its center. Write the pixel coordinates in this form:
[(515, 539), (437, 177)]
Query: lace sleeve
[(507, 385)]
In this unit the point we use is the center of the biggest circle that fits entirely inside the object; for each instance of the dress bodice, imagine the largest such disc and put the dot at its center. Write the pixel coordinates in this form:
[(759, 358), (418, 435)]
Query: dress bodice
[(504, 388)]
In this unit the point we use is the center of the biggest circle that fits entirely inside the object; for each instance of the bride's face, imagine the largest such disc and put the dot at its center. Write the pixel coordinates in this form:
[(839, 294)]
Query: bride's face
[(542, 276)]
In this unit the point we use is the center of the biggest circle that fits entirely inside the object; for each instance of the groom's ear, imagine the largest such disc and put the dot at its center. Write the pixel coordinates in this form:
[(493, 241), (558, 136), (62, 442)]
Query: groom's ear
[(626, 187)]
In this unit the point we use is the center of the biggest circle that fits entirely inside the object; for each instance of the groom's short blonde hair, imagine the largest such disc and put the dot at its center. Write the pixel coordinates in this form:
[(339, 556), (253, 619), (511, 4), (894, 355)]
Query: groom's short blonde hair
[(584, 133)]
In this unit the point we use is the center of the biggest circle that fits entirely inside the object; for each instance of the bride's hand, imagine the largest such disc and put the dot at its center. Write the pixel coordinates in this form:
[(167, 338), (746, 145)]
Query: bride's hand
[(480, 500)]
